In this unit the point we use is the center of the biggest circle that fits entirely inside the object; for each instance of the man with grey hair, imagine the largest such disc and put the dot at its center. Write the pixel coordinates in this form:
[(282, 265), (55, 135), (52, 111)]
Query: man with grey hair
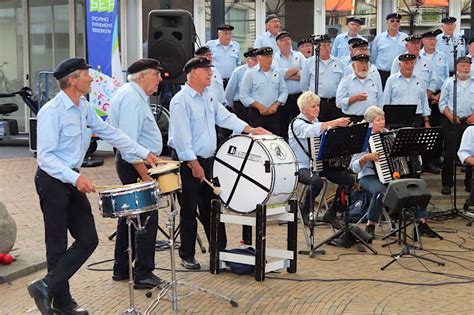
[(304, 126), (130, 112)]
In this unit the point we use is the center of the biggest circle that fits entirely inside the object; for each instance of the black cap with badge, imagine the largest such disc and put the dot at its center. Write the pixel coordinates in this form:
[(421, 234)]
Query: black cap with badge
[(202, 51), (353, 19), (282, 34), (448, 19), (196, 62), (357, 42), (406, 57), (464, 59), (395, 16), (271, 17), (68, 66), (361, 57), (225, 27), (143, 64), (412, 38), (251, 52), (431, 33), (304, 41), (264, 51)]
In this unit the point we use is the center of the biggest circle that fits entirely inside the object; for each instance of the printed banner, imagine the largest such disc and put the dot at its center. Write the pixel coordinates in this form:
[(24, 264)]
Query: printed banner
[(103, 52)]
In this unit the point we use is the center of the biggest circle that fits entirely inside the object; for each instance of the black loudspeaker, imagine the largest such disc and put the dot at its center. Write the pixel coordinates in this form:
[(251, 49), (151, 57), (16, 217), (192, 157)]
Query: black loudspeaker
[(405, 194), (171, 37)]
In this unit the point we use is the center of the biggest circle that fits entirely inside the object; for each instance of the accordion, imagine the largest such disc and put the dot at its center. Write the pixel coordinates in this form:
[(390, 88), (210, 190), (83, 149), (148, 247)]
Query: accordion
[(387, 166), (314, 144)]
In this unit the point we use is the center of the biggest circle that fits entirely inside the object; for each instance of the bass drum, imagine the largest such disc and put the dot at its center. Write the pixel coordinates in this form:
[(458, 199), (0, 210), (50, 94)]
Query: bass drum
[(254, 170)]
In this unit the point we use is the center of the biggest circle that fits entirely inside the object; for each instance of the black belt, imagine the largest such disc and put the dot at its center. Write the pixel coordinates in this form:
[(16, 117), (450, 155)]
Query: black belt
[(75, 170), (324, 99), (201, 159)]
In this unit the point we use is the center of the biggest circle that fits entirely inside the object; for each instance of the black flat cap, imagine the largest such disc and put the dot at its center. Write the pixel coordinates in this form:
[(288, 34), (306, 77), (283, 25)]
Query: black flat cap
[(361, 57), (196, 62), (68, 66), (304, 41), (225, 27), (353, 19), (282, 34), (471, 41), (406, 57), (357, 42), (464, 59), (431, 33), (202, 50), (251, 52), (413, 37), (324, 38), (393, 16), (143, 64), (271, 17), (264, 51), (448, 19)]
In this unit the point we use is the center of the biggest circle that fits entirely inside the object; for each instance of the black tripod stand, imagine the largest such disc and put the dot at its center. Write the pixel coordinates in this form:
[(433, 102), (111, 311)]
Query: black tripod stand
[(403, 239)]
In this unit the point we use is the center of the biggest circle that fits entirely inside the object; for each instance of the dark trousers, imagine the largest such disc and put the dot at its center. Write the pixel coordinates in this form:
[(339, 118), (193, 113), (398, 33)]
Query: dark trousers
[(471, 195), (337, 176), (328, 110), (64, 209), (143, 244), (288, 112), (435, 121), (196, 194), (384, 76), (451, 146), (241, 111), (271, 122)]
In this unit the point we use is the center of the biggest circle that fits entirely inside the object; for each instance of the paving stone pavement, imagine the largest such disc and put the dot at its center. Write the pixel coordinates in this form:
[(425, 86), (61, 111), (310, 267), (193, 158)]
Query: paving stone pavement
[(341, 282)]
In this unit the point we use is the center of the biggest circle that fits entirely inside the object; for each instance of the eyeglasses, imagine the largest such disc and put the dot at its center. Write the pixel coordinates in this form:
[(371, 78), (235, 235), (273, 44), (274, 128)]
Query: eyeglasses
[(394, 21)]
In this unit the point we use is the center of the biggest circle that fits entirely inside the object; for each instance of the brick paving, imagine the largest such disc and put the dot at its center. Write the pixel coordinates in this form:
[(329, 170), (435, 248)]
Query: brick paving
[(341, 282)]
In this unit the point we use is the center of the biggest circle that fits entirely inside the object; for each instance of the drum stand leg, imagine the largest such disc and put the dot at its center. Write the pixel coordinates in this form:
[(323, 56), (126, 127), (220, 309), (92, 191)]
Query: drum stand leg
[(131, 309)]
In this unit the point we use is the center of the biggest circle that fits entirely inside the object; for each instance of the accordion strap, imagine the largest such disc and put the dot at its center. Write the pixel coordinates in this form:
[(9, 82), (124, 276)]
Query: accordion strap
[(296, 138)]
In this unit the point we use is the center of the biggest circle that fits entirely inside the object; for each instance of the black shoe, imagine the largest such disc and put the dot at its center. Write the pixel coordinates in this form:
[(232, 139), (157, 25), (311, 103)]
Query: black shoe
[(330, 217), (431, 168), (152, 281), (425, 230), (446, 190), (190, 263), (370, 229), (71, 308), (39, 291), (119, 277)]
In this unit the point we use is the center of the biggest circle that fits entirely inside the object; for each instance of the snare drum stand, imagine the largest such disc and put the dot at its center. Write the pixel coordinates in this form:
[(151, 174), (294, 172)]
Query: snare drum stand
[(173, 285)]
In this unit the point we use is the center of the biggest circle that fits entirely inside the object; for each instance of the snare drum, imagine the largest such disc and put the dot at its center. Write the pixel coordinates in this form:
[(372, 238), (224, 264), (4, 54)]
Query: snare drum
[(128, 200), (167, 176), (254, 170)]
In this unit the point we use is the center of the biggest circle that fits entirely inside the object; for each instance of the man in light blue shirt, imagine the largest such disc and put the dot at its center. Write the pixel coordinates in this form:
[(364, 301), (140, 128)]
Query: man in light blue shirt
[(289, 63), (463, 118), (65, 126), (194, 112), (466, 155), (305, 47), (358, 46), (387, 46), (447, 39), (340, 47), (359, 90), (331, 71), (268, 39), (470, 49), (217, 84), (130, 112), (233, 87), (225, 52), (264, 91)]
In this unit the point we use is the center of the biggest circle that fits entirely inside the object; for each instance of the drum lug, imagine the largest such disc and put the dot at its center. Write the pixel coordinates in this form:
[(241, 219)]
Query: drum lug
[(125, 207)]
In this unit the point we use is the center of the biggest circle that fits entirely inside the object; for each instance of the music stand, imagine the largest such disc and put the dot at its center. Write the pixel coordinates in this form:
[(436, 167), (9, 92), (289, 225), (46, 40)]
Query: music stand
[(398, 116), (341, 142), (405, 197)]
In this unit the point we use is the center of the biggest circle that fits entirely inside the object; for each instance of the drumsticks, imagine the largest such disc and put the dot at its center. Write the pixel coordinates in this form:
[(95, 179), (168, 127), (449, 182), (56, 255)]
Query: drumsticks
[(215, 190)]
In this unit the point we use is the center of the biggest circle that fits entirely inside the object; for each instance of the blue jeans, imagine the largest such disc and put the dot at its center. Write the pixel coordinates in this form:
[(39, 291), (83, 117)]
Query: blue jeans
[(372, 184)]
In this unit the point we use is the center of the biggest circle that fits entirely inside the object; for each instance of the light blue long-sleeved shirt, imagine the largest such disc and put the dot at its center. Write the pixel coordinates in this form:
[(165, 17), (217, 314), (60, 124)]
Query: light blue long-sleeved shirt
[(466, 149), (465, 97), (400, 91), (225, 59), (296, 59), (340, 47), (233, 86), (303, 130), (330, 75), (266, 39), (64, 132), (423, 69), (446, 46), (368, 169), (217, 87), (263, 88), (193, 117), (384, 50), (351, 85), (472, 68), (440, 66), (130, 112)]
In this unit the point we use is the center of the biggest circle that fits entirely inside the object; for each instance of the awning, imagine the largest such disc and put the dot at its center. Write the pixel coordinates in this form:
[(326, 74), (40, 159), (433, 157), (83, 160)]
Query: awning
[(339, 5)]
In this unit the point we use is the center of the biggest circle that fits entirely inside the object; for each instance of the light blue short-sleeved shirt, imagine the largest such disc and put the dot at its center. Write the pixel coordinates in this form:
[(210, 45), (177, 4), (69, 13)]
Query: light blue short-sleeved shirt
[(193, 120), (340, 47), (130, 112), (303, 129), (296, 59), (224, 58), (266, 39), (465, 97), (351, 85), (466, 149), (423, 69), (446, 45), (233, 86), (330, 74), (385, 49), (64, 132), (440, 66)]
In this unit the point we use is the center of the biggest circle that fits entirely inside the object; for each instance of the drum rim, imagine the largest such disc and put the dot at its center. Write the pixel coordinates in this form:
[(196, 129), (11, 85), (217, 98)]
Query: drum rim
[(128, 189), (127, 213)]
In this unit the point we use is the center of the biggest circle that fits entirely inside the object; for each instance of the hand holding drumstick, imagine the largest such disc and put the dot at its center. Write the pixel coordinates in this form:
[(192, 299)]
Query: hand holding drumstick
[(198, 173)]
